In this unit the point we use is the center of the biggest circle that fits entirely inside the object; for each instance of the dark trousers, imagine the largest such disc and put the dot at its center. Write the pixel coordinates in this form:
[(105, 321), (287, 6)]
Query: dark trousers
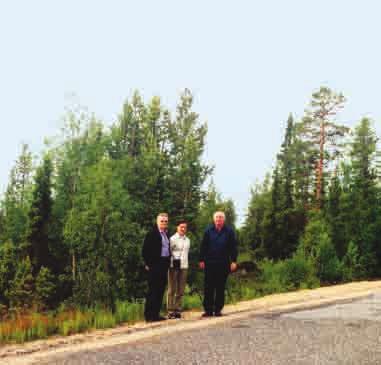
[(216, 275), (157, 281)]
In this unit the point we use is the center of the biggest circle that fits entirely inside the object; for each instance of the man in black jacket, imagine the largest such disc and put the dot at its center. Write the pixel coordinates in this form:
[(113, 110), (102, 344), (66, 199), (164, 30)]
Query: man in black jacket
[(156, 256), (218, 257)]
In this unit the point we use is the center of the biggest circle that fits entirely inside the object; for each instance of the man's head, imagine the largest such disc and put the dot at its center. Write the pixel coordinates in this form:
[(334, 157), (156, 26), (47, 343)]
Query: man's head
[(162, 221), (219, 219), (182, 227)]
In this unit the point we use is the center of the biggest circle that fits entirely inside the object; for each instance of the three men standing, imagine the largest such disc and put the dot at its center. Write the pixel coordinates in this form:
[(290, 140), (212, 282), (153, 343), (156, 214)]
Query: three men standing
[(169, 257)]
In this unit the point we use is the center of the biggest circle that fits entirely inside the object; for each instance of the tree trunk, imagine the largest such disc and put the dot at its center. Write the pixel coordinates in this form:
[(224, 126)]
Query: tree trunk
[(320, 165)]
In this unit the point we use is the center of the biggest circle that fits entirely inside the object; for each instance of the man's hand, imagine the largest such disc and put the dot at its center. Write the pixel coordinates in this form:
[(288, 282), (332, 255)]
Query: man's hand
[(146, 267), (233, 266), (202, 265)]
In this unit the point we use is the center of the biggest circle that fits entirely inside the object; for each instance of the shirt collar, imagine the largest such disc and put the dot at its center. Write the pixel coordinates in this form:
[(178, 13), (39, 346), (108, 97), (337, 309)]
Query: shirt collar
[(218, 230)]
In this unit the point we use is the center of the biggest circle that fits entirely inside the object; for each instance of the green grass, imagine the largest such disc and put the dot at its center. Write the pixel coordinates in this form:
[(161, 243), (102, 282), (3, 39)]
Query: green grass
[(26, 327), (275, 277), (244, 256), (192, 302)]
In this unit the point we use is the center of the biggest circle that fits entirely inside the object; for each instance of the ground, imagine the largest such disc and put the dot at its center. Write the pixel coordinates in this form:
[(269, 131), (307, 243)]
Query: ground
[(277, 329)]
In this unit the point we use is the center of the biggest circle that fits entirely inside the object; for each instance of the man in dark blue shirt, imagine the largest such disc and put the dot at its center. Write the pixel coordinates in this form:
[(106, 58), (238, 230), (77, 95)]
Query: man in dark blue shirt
[(218, 257)]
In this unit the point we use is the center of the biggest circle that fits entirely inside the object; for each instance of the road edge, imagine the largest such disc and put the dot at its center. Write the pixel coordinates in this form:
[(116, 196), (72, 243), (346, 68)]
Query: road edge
[(294, 301)]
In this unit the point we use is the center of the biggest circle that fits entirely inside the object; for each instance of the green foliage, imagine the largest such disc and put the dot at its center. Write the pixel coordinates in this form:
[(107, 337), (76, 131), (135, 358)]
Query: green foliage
[(253, 232), (40, 217), (45, 287), (316, 245), (17, 200), (351, 263), (364, 195), (8, 267), (129, 311), (271, 276), (192, 302), (316, 231), (290, 274), (338, 213), (211, 203), (323, 137), (98, 231), (326, 261), (21, 291), (72, 231), (241, 288), (27, 327), (299, 273)]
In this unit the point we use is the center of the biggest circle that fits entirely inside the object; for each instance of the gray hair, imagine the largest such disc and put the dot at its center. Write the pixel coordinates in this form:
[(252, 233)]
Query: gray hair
[(162, 215), (219, 212)]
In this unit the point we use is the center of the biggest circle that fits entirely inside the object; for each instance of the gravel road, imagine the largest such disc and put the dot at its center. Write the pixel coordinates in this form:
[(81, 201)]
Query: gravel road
[(339, 334)]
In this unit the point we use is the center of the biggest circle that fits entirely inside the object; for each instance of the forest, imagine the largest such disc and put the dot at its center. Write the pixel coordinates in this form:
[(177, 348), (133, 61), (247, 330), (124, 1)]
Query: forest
[(72, 220)]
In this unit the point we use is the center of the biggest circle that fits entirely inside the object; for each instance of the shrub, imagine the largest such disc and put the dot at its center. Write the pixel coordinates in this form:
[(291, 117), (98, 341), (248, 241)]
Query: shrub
[(20, 293), (298, 272), (271, 276), (192, 301), (327, 264), (45, 287), (351, 266)]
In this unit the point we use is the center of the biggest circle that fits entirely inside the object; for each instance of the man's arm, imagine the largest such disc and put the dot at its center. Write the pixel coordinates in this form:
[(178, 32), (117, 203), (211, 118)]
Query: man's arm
[(233, 251), (146, 251), (203, 249)]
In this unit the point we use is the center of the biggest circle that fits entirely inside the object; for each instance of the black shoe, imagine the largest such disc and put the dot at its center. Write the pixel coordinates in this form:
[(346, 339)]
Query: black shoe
[(207, 314), (218, 314), (172, 315), (177, 315), (156, 319)]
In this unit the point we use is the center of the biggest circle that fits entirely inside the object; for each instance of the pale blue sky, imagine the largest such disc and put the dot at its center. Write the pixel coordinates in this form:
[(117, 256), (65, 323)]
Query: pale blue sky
[(248, 63)]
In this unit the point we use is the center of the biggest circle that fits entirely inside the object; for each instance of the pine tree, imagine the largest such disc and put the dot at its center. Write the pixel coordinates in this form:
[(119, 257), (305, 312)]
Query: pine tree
[(17, 199), (323, 134), (336, 215), (288, 164), (45, 287), (291, 218), (254, 232), (40, 217), (364, 196), (351, 263), (9, 257)]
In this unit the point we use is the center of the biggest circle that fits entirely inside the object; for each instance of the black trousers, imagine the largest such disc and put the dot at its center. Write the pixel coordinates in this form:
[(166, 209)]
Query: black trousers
[(216, 275), (157, 281)]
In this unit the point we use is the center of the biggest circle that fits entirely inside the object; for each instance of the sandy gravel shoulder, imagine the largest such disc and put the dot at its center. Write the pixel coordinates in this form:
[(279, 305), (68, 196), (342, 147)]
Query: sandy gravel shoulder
[(32, 352)]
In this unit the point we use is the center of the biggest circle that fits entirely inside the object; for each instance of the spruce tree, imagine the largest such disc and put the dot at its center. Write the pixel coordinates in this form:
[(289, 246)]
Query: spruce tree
[(21, 291), (364, 196), (40, 217), (17, 199)]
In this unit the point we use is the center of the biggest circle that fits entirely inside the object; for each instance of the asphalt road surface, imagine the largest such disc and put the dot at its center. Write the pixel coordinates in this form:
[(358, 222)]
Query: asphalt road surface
[(339, 334)]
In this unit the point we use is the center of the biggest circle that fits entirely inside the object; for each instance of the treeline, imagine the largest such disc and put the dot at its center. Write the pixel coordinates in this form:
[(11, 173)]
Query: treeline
[(317, 216), (71, 228), (72, 225)]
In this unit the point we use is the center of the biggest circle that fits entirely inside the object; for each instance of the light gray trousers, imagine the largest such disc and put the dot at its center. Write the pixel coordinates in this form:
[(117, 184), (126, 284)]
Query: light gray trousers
[(177, 279)]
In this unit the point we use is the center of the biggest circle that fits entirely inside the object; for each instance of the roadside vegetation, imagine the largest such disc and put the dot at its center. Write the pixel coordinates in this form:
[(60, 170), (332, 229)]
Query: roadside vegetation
[(73, 219)]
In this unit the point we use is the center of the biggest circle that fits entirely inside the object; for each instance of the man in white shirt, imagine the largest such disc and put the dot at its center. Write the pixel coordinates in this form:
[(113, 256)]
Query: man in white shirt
[(177, 274)]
